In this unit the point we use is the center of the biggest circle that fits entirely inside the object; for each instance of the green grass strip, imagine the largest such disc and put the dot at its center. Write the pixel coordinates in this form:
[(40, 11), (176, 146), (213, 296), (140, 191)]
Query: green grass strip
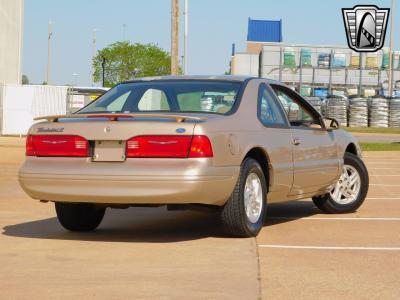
[(380, 146), (372, 130)]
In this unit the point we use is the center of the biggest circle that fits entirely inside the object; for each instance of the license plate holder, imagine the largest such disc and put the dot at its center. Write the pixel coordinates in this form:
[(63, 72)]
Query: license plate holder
[(109, 151)]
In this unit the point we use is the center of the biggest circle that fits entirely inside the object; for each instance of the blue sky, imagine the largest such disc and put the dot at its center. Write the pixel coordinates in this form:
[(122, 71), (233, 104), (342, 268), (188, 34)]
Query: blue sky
[(213, 27)]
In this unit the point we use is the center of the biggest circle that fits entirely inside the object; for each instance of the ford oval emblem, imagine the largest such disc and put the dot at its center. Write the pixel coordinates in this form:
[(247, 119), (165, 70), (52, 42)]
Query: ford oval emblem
[(180, 130)]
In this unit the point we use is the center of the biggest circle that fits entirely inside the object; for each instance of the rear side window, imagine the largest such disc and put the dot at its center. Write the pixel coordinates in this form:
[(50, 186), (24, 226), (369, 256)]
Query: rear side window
[(269, 111), (153, 99)]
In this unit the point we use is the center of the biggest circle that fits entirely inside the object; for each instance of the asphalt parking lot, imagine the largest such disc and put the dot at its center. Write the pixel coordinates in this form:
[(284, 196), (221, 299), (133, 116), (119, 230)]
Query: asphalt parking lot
[(151, 253)]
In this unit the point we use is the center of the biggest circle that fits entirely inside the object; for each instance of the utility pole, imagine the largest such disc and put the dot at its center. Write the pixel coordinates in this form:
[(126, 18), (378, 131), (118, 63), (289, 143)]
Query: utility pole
[(93, 53), (390, 73), (103, 71), (124, 32), (175, 37), (185, 44), (75, 75), (49, 36)]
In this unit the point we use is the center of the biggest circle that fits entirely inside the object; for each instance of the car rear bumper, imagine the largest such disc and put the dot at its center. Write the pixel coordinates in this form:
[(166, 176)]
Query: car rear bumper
[(135, 181)]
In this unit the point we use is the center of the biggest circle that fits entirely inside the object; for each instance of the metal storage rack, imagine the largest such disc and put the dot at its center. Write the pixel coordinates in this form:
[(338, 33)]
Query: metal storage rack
[(365, 75), (394, 112)]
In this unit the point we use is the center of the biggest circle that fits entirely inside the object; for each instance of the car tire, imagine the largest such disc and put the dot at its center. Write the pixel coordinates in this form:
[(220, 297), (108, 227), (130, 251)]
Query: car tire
[(331, 203), (236, 218), (79, 216)]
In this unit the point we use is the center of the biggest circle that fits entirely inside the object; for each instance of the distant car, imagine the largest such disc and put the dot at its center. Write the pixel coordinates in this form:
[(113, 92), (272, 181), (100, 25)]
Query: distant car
[(228, 143)]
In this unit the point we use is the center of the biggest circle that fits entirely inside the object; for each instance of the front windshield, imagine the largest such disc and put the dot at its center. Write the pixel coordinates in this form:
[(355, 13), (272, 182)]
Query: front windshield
[(205, 96)]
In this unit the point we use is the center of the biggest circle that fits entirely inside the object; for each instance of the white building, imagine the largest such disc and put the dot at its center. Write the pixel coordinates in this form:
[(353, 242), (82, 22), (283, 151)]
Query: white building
[(11, 35)]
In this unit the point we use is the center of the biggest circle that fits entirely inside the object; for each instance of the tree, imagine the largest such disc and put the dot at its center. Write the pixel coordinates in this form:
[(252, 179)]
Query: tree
[(124, 60), (25, 79)]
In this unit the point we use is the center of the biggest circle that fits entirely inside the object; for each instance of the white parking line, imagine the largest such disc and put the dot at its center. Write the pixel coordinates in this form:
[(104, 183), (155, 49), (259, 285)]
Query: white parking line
[(384, 168), (337, 218), (374, 159), (383, 162), (331, 248), (384, 165), (382, 198), (382, 184), (385, 175)]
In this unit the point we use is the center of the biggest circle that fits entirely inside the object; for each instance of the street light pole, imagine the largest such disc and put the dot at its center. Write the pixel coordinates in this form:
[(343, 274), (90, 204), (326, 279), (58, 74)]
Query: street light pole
[(175, 37), (185, 45), (124, 32), (49, 36), (390, 75), (103, 70), (75, 75), (93, 54)]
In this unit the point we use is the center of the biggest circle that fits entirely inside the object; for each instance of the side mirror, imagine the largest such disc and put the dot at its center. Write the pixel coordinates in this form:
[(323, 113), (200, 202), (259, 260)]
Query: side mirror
[(331, 123)]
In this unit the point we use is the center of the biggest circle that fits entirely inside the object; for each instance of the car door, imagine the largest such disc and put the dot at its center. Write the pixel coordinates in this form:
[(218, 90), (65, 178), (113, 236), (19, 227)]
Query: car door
[(315, 158), (275, 137)]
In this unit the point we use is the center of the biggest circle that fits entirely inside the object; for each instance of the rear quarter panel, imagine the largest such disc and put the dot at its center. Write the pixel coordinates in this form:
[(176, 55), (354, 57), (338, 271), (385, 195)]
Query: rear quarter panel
[(235, 135)]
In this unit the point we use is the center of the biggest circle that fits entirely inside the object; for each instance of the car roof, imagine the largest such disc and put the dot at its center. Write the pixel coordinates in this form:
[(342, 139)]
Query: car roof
[(197, 77)]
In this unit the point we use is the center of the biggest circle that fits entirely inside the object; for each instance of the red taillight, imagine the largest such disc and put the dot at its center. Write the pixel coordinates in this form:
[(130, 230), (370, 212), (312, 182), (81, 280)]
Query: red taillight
[(200, 147), (158, 146), (30, 150), (172, 146), (57, 145)]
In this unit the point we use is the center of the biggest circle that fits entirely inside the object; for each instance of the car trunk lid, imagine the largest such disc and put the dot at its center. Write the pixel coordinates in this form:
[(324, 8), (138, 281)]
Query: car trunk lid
[(110, 134)]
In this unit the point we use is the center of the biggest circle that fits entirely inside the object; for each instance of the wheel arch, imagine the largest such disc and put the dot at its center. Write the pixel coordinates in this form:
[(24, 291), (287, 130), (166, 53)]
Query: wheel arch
[(261, 156), (351, 148)]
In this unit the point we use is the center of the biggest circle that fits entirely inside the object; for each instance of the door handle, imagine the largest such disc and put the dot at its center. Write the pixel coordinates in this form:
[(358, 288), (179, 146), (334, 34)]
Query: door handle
[(296, 141)]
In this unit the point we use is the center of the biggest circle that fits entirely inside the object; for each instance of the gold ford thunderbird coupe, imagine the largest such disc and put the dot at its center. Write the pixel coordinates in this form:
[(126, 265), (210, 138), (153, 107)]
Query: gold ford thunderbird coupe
[(232, 144)]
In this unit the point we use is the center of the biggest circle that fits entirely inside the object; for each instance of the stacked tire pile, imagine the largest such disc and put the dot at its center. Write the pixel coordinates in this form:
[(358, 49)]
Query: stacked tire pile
[(394, 112), (358, 112), (336, 107), (316, 103), (379, 113)]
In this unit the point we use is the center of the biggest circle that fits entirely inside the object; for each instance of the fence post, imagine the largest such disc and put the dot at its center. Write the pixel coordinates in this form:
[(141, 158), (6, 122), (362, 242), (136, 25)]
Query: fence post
[(280, 64), (360, 82), (330, 72), (301, 72)]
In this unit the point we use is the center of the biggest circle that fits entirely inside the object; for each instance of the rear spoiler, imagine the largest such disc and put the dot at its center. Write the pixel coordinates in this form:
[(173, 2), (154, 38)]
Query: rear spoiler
[(115, 117)]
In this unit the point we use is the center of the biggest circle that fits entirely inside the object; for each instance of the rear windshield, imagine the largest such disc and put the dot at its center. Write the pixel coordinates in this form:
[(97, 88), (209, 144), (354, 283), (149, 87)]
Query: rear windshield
[(168, 96)]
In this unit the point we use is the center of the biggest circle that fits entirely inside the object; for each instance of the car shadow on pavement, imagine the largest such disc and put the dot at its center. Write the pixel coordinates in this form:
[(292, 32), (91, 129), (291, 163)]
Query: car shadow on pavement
[(154, 225), (278, 213), (147, 225)]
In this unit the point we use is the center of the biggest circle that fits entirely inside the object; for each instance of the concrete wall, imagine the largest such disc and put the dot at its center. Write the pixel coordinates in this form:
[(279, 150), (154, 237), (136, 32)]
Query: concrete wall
[(245, 64), (20, 104), (254, 47), (11, 33)]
